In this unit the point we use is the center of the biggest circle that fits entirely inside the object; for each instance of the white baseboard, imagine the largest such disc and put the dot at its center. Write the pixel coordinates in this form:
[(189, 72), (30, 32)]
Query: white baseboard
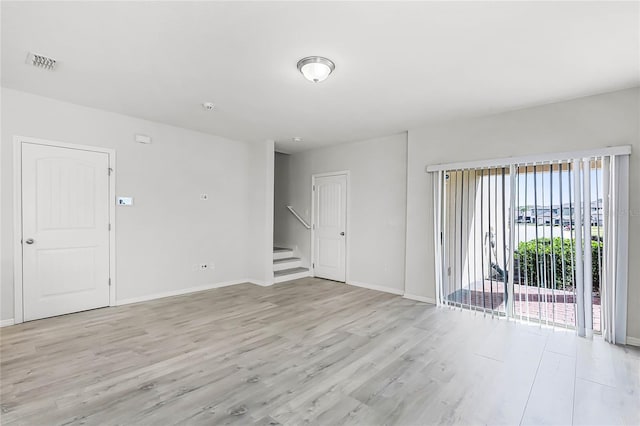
[(376, 287), (420, 298), (7, 322), (179, 292), (633, 341)]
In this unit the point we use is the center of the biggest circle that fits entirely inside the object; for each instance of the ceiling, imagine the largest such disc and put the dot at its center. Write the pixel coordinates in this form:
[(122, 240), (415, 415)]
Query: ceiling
[(398, 64)]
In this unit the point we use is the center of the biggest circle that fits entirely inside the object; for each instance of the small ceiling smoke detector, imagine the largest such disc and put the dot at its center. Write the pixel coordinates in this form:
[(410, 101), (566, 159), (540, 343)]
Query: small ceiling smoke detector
[(208, 106), (41, 61), (297, 139)]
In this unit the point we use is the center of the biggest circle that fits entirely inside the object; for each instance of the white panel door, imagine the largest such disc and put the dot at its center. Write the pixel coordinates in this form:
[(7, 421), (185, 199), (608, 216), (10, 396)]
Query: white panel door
[(330, 204), (65, 219)]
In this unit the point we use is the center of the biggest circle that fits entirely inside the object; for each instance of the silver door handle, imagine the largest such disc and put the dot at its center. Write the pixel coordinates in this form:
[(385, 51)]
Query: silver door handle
[(29, 241), (342, 233)]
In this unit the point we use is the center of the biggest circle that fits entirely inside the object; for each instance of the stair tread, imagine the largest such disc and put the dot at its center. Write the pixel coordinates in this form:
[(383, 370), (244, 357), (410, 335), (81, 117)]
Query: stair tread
[(280, 249), (289, 271), (286, 259)]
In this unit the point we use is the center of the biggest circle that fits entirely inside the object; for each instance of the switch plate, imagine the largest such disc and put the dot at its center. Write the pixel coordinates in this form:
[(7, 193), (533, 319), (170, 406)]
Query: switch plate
[(204, 197)]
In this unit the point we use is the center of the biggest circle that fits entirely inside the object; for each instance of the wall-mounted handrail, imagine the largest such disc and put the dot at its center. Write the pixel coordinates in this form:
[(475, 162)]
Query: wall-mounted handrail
[(302, 221)]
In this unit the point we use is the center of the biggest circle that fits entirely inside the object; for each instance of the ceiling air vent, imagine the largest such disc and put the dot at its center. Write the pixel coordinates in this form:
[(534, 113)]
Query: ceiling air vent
[(41, 61)]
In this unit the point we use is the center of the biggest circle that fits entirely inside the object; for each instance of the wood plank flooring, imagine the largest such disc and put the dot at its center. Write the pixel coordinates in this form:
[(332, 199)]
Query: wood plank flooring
[(307, 352)]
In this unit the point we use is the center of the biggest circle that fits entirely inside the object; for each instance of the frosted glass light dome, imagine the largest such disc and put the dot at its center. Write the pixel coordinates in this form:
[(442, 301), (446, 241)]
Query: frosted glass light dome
[(316, 68)]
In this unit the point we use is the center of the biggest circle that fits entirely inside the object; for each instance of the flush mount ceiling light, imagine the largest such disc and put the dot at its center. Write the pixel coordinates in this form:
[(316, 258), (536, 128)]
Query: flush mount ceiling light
[(316, 68), (297, 139), (208, 106)]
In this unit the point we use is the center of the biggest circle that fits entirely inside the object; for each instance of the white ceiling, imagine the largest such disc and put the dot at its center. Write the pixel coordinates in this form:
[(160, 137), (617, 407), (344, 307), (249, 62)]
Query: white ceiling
[(398, 65)]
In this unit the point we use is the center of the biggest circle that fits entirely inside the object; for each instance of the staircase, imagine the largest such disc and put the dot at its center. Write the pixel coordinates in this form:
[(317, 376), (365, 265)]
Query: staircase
[(286, 267)]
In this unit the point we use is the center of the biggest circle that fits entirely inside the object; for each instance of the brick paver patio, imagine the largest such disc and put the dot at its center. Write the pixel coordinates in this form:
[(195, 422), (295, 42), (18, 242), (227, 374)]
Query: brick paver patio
[(553, 307)]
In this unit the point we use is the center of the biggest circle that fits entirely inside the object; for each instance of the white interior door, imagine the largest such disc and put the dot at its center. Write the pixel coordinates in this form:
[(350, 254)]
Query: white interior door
[(330, 217), (65, 234)]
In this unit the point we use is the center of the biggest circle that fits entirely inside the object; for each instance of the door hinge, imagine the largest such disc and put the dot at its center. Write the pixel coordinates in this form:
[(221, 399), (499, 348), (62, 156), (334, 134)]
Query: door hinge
[(313, 226), (313, 265), (314, 187), (109, 227), (109, 281), (109, 171)]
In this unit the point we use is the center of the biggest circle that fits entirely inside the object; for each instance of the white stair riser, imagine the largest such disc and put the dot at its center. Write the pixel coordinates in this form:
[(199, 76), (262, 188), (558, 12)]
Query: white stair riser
[(286, 265), (282, 254), (290, 277)]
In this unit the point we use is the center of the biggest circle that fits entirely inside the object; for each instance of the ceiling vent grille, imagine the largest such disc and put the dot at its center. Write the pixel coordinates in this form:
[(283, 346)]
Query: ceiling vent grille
[(41, 61)]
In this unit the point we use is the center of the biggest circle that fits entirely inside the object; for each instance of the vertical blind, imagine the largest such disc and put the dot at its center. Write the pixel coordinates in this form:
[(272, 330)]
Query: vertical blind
[(541, 240)]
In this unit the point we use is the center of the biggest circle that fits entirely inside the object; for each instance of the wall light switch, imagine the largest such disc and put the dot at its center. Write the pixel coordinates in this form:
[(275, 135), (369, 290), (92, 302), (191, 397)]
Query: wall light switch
[(125, 201), (204, 197)]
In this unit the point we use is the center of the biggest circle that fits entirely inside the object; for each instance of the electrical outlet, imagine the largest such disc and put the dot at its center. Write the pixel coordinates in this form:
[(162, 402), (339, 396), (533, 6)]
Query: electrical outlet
[(204, 197), (203, 266)]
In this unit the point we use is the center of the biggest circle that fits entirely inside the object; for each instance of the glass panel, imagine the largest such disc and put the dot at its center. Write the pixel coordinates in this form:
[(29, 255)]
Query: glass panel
[(476, 252)]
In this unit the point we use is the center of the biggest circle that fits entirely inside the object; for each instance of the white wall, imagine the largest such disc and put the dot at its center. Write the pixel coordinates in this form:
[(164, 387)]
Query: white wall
[(169, 229), (260, 226), (280, 198), (376, 206), (590, 122)]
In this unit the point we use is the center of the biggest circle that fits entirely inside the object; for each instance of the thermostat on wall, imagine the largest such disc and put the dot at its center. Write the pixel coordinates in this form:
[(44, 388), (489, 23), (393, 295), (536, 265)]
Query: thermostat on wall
[(125, 201)]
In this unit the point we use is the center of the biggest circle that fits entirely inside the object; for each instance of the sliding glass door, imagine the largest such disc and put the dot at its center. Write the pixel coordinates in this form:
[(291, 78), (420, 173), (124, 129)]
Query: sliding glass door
[(475, 239), (523, 240)]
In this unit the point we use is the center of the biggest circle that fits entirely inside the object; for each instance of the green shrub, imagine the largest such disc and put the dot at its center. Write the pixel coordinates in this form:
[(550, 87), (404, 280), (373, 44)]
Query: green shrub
[(549, 257)]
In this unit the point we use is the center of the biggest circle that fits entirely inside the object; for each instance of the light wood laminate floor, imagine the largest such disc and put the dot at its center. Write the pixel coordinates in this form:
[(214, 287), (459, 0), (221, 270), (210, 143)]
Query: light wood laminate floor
[(308, 352)]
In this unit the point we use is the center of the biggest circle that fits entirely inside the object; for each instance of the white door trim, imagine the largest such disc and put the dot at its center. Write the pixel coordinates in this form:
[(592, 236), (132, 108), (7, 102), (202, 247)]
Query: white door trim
[(346, 173), (18, 141)]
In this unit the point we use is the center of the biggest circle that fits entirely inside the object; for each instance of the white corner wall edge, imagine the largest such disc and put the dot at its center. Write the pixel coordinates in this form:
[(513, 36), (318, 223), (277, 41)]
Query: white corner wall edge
[(633, 341), (424, 299), (375, 287), (10, 321), (182, 291)]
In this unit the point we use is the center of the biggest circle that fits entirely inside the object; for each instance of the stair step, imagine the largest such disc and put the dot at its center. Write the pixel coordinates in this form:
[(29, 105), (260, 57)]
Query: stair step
[(290, 271), (286, 263), (286, 259), (282, 253)]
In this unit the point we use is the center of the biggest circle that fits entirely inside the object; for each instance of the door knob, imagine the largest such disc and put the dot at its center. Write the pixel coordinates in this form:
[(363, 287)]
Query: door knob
[(29, 241), (342, 233)]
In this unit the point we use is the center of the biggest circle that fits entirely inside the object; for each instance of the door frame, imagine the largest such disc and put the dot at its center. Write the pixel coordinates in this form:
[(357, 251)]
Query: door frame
[(18, 141), (346, 173)]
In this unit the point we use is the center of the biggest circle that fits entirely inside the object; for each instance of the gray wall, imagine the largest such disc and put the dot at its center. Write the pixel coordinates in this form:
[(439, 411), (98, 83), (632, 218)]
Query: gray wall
[(376, 206), (168, 230), (590, 122)]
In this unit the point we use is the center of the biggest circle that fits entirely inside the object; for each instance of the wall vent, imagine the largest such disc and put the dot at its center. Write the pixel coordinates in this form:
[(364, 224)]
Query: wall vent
[(41, 61)]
